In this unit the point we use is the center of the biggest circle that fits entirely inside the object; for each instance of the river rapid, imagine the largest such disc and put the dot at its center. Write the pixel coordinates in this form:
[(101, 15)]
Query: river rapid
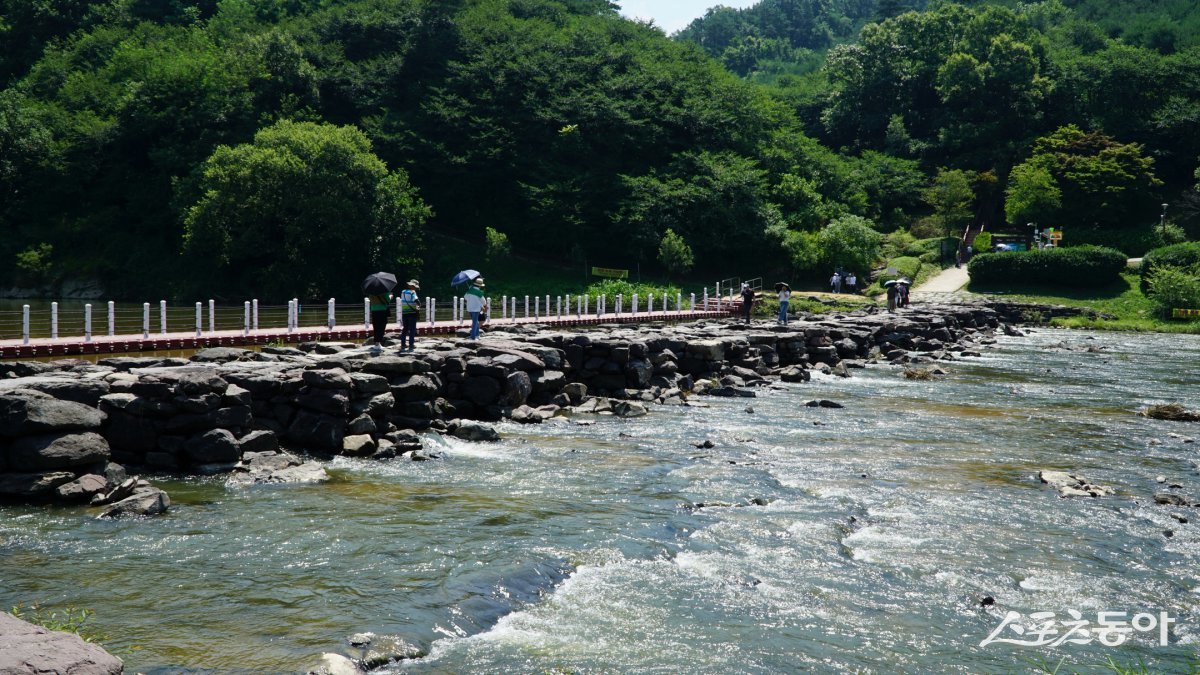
[(861, 539)]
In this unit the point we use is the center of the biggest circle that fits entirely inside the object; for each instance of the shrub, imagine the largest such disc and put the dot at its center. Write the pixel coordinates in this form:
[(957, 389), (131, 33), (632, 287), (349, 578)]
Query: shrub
[(983, 242), (1079, 266), (496, 245), (904, 266), (1177, 255), (614, 287), (1174, 287)]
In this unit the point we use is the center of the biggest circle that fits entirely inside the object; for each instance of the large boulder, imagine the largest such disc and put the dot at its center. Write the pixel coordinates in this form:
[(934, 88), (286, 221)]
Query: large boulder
[(313, 430), (473, 431), (82, 489), (395, 365), (410, 388), (482, 390), (27, 649), (334, 378), (145, 501), (57, 451), (517, 387), (215, 446), (25, 413), (80, 390)]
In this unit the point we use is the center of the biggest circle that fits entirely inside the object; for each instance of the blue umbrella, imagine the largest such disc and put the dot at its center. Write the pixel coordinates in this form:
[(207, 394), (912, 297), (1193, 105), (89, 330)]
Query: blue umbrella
[(464, 277)]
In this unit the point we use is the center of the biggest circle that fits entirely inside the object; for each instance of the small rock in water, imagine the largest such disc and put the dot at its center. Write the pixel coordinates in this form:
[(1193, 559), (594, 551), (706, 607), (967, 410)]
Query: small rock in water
[(1179, 517), (1168, 533), (360, 639), (987, 601), (1160, 479), (750, 409), (704, 445), (1169, 499), (1070, 485), (1154, 441)]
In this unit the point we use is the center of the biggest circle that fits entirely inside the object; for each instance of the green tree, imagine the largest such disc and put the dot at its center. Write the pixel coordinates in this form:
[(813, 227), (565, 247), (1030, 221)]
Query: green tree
[(849, 242), (674, 253), (496, 245), (1032, 195), (951, 195), (305, 210)]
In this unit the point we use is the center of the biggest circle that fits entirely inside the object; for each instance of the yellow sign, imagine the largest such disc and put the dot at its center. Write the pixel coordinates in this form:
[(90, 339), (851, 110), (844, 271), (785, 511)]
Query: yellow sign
[(610, 273), (1184, 313)]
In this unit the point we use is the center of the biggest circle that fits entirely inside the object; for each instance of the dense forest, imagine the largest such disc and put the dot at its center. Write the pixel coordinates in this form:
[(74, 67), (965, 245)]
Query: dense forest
[(269, 146)]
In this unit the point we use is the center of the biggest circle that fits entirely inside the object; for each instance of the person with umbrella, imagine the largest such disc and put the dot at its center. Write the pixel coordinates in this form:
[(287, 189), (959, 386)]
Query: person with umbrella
[(893, 292), (785, 295), (902, 292), (378, 288), (410, 308), (477, 304)]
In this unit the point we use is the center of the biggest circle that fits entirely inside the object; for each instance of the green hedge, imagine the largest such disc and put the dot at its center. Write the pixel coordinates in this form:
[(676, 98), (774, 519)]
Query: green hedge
[(1076, 266), (1176, 255), (906, 266)]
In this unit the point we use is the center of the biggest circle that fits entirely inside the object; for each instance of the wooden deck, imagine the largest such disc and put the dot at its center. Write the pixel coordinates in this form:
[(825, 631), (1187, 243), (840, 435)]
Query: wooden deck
[(125, 344)]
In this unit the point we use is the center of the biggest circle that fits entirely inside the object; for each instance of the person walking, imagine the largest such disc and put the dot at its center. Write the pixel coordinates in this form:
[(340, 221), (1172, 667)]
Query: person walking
[(380, 307), (747, 301), (851, 283), (785, 295), (893, 292), (835, 283), (477, 304), (410, 310)]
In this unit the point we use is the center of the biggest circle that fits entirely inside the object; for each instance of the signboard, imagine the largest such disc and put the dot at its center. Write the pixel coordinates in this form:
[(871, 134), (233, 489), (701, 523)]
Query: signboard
[(610, 273)]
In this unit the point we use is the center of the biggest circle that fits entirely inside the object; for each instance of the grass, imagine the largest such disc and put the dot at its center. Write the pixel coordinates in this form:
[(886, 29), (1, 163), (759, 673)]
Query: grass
[(1123, 300), (69, 620)]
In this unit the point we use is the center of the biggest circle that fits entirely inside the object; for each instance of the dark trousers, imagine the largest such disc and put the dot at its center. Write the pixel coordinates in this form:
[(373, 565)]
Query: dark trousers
[(746, 308), (408, 329), (379, 319)]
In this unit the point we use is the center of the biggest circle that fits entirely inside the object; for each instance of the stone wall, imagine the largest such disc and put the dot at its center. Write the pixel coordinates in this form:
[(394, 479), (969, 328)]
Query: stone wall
[(68, 428)]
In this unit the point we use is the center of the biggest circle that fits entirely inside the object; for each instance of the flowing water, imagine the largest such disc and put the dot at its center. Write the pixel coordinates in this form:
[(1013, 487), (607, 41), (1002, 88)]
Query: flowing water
[(859, 539)]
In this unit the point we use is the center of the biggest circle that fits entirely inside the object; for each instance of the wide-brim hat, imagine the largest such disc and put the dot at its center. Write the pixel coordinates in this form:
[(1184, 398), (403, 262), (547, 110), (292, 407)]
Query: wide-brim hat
[(478, 281), (414, 283)]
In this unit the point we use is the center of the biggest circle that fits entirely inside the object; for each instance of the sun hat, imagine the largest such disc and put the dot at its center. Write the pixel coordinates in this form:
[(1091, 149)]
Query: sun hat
[(414, 283), (478, 281)]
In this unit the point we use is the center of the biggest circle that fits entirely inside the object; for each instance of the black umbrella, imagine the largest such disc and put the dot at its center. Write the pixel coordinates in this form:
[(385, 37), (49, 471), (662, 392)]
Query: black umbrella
[(379, 283)]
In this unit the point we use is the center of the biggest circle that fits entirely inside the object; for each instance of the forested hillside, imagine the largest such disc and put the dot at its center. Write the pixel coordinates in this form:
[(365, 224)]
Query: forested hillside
[(282, 147)]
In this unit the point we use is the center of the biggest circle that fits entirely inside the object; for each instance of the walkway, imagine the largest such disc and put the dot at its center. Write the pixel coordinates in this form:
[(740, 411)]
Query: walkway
[(946, 286), (122, 344)]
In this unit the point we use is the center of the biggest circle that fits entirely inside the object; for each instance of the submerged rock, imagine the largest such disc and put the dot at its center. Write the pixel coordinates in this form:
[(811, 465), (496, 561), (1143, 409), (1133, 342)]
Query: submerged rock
[(1070, 485)]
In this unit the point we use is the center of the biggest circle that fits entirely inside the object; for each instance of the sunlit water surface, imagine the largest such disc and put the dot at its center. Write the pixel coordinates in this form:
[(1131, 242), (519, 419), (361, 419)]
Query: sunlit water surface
[(863, 539)]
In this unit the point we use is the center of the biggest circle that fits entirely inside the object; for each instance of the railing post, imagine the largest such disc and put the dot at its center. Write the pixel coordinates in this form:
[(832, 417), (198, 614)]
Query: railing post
[(620, 302), (430, 312), (25, 324), (246, 319), (504, 307), (586, 298), (693, 302), (558, 306), (678, 301), (705, 305), (367, 313), (513, 312), (650, 304), (54, 321), (332, 317), (547, 306), (145, 320), (199, 318), (634, 304), (112, 318), (212, 316), (527, 307), (718, 294), (254, 314), (87, 322), (162, 316), (537, 307)]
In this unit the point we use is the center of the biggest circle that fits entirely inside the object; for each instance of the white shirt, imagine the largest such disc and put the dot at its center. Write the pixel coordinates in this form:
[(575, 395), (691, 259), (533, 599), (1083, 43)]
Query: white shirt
[(785, 295)]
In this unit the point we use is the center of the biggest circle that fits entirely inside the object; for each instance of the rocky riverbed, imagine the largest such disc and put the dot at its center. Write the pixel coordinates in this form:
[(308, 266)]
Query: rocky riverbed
[(71, 430)]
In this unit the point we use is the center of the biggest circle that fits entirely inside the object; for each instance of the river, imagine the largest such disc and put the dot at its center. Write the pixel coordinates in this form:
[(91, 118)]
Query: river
[(858, 539)]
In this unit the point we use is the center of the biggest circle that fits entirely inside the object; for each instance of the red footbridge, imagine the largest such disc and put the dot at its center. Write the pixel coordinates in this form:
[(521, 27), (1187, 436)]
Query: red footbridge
[(78, 328)]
